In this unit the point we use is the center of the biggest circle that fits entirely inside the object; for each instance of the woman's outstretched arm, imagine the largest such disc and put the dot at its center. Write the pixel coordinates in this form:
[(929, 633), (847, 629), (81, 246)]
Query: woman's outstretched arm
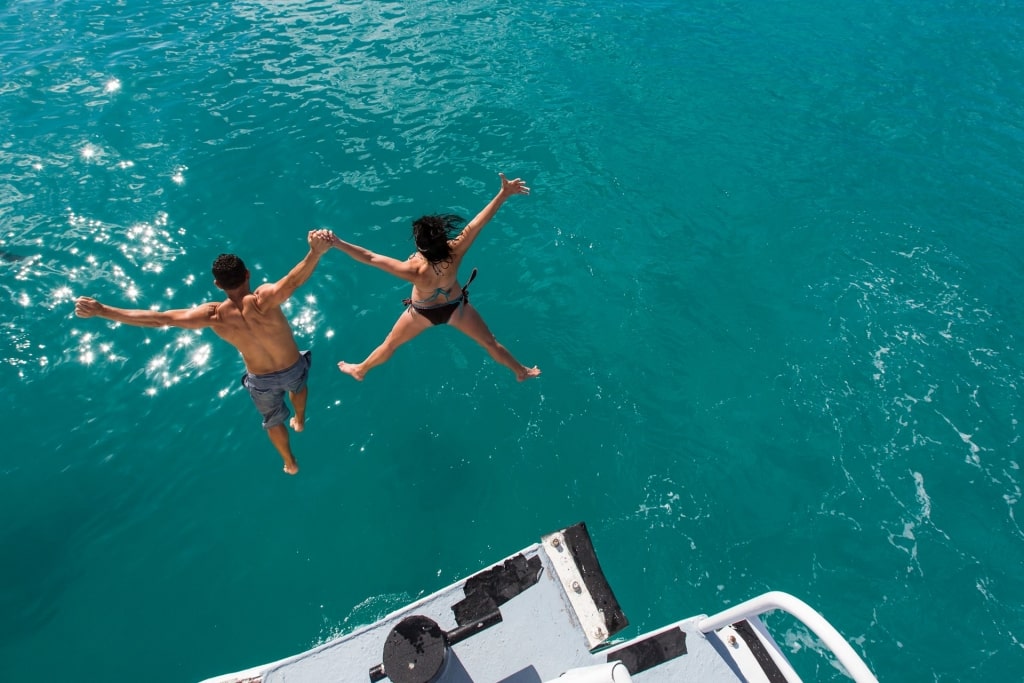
[(401, 269), (464, 241)]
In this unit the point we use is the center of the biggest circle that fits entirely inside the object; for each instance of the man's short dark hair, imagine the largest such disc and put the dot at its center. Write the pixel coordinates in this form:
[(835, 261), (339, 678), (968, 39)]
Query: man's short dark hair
[(229, 271)]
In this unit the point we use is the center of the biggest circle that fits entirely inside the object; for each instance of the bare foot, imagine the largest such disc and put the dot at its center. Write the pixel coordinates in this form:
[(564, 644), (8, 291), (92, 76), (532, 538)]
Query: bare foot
[(297, 424), (351, 369), (291, 467), (528, 373)]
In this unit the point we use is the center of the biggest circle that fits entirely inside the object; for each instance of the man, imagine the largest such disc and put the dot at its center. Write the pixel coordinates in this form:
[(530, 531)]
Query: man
[(254, 324)]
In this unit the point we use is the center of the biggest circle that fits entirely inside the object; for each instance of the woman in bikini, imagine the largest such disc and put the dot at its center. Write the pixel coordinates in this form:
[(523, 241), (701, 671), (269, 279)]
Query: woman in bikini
[(437, 297)]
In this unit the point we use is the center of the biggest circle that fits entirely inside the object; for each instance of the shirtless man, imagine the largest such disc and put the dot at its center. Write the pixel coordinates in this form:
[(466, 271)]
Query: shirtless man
[(437, 297), (254, 324)]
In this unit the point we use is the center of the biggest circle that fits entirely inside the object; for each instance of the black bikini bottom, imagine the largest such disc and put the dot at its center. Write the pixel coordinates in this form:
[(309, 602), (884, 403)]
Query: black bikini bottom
[(439, 315)]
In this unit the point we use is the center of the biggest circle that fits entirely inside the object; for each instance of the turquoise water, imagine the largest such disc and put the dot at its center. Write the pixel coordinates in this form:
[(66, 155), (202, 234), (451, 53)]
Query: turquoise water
[(769, 269)]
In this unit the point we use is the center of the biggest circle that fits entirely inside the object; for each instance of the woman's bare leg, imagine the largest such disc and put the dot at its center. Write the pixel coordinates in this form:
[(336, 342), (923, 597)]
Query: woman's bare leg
[(469, 322), (406, 327)]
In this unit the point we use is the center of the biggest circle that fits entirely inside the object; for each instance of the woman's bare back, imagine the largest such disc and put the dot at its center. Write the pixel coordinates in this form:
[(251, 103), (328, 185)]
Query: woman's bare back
[(436, 280)]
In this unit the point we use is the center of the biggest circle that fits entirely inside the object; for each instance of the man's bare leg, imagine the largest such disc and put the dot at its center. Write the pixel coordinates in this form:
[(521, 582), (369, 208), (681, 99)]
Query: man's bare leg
[(408, 325), (468, 321), (279, 437), (298, 399)]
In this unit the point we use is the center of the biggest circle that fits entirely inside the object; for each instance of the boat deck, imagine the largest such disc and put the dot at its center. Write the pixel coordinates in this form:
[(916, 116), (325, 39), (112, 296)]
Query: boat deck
[(535, 616)]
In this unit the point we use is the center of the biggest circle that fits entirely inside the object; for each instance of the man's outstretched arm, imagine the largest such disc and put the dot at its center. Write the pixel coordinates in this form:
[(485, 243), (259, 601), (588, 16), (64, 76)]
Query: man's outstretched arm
[(277, 293), (188, 318)]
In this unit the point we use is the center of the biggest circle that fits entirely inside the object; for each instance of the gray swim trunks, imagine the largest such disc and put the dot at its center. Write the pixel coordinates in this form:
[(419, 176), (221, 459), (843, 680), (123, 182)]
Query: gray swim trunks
[(267, 391)]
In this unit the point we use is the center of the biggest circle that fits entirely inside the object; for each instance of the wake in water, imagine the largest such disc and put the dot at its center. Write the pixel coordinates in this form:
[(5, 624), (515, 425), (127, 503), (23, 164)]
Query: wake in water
[(921, 384)]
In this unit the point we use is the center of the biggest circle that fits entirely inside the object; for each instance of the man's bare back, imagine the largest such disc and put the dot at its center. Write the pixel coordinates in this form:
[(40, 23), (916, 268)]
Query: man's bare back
[(261, 333)]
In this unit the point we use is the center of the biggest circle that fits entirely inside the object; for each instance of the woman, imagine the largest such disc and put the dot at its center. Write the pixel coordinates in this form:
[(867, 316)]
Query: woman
[(437, 298)]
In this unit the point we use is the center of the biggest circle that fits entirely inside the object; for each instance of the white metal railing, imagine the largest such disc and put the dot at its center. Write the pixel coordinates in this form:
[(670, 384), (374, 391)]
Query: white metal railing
[(777, 600)]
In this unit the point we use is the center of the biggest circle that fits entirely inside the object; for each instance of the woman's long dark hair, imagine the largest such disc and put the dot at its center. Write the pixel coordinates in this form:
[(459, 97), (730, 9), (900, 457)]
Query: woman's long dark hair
[(432, 234)]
